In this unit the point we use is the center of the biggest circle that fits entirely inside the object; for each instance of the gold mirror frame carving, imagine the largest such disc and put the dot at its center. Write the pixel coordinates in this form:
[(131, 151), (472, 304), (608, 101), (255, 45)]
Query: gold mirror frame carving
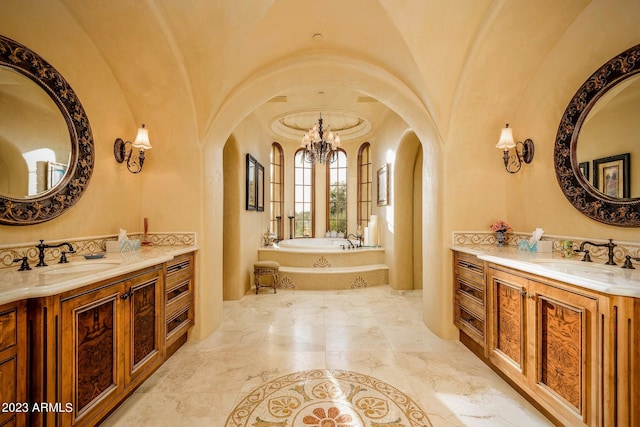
[(582, 195), (58, 200)]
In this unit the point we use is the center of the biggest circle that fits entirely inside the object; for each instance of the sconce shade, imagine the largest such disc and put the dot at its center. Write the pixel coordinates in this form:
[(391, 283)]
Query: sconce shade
[(142, 139), (506, 139)]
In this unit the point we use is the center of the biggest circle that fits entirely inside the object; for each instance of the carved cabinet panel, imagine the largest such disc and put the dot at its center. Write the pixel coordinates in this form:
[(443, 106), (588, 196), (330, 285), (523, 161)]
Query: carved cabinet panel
[(507, 325), (144, 319), (545, 337), (110, 336), (91, 332)]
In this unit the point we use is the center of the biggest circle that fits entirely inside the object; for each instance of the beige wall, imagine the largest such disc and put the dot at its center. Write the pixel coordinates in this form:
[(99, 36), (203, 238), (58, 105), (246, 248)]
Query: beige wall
[(243, 229), (452, 78)]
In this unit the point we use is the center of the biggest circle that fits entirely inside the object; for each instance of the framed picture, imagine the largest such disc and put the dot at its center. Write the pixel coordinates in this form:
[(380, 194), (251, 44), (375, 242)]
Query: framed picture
[(252, 193), (260, 186), (383, 185), (611, 175), (584, 169)]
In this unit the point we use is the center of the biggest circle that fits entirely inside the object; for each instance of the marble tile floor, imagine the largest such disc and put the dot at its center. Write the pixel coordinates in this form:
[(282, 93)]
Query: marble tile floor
[(376, 331)]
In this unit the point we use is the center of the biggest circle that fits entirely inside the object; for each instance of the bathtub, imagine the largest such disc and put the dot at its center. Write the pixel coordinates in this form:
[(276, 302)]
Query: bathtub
[(315, 244), (322, 263)]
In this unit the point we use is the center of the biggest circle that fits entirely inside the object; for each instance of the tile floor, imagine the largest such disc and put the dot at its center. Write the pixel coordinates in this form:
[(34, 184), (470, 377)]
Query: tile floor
[(375, 331)]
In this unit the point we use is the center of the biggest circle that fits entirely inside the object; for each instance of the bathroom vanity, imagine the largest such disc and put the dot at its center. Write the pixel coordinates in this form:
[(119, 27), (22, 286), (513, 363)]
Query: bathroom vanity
[(84, 337), (566, 334)]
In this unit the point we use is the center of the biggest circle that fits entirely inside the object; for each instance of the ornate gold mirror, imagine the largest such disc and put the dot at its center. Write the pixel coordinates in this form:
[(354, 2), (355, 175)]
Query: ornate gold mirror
[(46, 145), (598, 141)]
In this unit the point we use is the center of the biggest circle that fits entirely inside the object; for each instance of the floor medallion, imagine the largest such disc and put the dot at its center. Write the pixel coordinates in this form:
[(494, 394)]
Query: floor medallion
[(327, 398)]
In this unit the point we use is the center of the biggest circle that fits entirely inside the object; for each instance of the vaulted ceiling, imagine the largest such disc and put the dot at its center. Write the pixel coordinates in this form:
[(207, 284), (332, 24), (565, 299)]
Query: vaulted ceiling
[(453, 56)]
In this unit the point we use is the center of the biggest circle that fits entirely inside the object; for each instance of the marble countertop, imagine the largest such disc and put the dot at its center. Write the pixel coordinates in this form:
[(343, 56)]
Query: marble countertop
[(608, 279), (57, 278)]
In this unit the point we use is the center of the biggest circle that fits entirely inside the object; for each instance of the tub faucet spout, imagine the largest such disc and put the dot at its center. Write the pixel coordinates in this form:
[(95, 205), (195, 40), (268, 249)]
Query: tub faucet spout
[(351, 245)]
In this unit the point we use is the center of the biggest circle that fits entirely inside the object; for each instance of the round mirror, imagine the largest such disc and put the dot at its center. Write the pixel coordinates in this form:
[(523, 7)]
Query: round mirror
[(46, 146), (34, 141), (599, 139)]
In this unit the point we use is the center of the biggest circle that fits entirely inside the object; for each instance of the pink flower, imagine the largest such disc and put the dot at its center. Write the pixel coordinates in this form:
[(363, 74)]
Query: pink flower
[(500, 226)]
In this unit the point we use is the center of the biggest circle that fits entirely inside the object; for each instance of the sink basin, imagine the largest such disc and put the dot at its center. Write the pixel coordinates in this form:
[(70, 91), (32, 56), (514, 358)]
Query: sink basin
[(575, 267), (80, 267)]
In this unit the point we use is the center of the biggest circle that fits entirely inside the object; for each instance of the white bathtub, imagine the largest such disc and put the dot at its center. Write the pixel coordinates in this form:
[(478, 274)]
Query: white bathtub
[(315, 244)]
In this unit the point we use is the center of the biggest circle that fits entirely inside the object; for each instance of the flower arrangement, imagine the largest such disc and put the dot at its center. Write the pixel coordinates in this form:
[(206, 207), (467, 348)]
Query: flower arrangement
[(500, 226)]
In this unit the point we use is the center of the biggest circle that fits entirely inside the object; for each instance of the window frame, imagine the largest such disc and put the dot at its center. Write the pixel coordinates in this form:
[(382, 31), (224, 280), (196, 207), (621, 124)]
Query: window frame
[(300, 151), (364, 200), (329, 166), (276, 206)]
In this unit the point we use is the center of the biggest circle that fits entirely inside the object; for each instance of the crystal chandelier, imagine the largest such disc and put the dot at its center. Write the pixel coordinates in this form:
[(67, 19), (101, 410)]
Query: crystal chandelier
[(316, 147)]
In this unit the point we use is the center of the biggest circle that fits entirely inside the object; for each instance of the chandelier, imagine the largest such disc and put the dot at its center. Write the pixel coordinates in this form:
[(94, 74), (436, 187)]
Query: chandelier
[(317, 148)]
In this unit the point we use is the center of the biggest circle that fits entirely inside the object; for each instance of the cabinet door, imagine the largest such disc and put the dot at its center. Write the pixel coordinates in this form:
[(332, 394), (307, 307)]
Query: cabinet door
[(143, 305), (565, 351), (91, 326), (508, 333)]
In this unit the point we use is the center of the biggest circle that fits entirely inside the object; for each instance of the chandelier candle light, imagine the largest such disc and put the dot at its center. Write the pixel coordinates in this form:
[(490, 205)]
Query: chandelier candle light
[(317, 148)]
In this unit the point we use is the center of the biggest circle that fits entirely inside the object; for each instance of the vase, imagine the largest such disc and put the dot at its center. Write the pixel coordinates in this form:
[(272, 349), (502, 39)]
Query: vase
[(500, 238)]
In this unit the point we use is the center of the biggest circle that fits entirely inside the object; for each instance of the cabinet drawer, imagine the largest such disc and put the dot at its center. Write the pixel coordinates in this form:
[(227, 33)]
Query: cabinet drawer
[(471, 304), (471, 290), (469, 322), (8, 329), (178, 269), (470, 268), (179, 322), (178, 298)]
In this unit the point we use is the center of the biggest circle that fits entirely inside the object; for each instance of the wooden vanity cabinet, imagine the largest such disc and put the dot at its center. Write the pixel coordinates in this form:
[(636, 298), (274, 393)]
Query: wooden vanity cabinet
[(95, 345), (13, 364), (544, 336), (469, 308), (179, 300)]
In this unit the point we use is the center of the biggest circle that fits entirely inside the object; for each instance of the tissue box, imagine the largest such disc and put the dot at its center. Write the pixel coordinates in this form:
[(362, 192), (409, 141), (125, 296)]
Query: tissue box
[(125, 246), (544, 246)]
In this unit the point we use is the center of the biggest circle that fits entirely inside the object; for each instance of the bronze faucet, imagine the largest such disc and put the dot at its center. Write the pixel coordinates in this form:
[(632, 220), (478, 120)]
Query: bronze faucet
[(63, 258), (609, 246), (628, 263)]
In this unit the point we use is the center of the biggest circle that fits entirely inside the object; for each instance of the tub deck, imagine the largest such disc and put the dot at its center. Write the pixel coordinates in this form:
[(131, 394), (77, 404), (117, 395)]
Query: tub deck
[(316, 269)]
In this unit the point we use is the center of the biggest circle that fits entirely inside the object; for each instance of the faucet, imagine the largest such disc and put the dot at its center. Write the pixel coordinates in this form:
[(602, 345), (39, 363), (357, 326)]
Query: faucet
[(628, 263), (358, 238), (63, 258), (609, 246)]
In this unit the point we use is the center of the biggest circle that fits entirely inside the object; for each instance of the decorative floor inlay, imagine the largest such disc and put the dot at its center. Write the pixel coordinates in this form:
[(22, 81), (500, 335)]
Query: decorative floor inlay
[(327, 398)]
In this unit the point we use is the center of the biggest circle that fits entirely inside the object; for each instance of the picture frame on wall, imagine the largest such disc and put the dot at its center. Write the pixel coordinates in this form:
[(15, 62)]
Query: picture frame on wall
[(260, 187), (584, 169), (251, 187), (611, 175), (383, 185)]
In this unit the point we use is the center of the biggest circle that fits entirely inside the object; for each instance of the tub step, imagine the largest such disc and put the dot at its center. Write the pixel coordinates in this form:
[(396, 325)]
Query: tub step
[(318, 278)]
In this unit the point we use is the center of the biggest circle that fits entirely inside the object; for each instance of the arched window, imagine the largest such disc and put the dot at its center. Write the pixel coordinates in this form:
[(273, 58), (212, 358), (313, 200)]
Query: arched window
[(303, 196), (276, 205), (365, 180), (337, 193)]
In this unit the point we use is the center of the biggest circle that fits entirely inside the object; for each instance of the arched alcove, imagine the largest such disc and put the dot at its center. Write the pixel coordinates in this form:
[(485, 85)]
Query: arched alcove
[(286, 76)]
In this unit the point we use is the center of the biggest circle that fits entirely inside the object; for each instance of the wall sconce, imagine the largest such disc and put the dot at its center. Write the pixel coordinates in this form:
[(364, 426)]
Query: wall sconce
[(122, 153), (523, 150)]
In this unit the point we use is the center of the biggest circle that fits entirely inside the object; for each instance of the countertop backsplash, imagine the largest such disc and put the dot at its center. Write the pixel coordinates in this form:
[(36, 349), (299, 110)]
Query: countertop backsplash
[(598, 254), (85, 245)]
